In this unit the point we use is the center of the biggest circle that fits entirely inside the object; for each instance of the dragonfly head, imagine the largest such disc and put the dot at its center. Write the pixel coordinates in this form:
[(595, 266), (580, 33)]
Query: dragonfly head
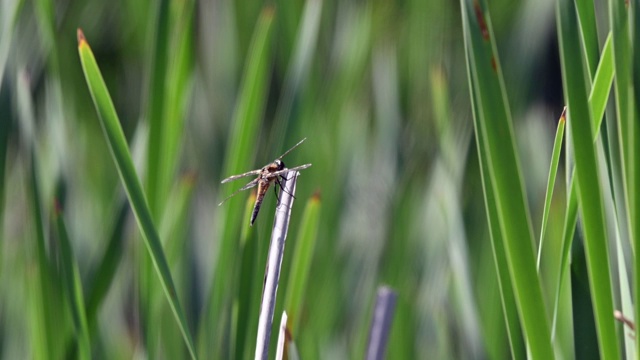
[(279, 164)]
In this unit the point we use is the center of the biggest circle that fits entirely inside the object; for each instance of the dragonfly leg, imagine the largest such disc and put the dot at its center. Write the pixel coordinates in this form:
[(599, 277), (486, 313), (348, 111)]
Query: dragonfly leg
[(276, 191), (282, 188)]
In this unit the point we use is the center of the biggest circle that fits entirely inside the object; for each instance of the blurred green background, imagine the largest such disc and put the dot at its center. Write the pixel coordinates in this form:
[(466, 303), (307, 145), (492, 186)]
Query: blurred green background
[(380, 91)]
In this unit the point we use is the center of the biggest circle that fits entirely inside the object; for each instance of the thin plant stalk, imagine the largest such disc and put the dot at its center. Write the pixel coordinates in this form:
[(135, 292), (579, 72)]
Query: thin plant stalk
[(381, 324), (274, 262), (282, 336)]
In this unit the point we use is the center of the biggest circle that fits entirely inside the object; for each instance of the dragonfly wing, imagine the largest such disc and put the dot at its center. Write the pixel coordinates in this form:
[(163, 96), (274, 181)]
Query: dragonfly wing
[(297, 168), (251, 184), (294, 146), (236, 177), (301, 167)]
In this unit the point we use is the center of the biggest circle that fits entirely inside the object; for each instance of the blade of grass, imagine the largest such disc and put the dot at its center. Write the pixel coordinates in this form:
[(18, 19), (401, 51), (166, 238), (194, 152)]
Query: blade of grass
[(497, 243), (46, 20), (568, 230), (509, 306), (493, 125), (104, 274), (619, 20), (589, 191), (634, 191), (601, 86), (71, 279), (178, 94), (157, 93), (43, 347), (589, 33), (173, 232), (155, 178), (299, 67), (248, 285), (124, 164), (301, 263), (597, 104), (553, 170), (45, 316)]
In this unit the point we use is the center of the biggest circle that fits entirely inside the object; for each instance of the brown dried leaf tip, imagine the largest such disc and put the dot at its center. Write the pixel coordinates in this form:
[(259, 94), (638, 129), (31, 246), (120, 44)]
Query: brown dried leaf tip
[(563, 116), (81, 37)]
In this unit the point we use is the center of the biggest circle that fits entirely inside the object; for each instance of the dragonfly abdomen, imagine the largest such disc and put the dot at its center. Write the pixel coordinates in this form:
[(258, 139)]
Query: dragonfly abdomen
[(263, 186)]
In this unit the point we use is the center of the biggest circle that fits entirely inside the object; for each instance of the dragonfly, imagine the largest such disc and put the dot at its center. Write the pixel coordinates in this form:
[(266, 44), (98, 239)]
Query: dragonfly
[(270, 173)]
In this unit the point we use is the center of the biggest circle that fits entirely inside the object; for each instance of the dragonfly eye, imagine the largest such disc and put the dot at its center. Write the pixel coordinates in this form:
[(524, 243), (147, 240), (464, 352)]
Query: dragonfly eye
[(280, 164)]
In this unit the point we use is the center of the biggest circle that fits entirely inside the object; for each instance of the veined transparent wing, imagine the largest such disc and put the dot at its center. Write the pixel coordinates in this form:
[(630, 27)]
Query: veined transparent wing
[(249, 185), (236, 177), (297, 168), (294, 146)]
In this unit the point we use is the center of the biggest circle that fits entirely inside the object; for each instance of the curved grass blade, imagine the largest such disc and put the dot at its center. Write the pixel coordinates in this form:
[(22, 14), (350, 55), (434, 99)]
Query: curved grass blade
[(299, 67), (44, 343), (597, 104), (176, 70), (156, 106), (301, 262), (553, 170), (619, 20), (71, 280), (106, 270), (180, 70), (589, 191), (173, 230), (122, 158), (586, 13), (634, 191), (601, 86), (509, 307), (494, 127), (248, 286)]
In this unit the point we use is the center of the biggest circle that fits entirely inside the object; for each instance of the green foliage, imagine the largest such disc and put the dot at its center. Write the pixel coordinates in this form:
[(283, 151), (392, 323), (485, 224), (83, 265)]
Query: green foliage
[(430, 127)]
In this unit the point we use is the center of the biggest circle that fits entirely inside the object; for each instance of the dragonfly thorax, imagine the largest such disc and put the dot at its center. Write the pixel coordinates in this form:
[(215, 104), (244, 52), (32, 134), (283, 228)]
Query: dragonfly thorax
[(265, 177)]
